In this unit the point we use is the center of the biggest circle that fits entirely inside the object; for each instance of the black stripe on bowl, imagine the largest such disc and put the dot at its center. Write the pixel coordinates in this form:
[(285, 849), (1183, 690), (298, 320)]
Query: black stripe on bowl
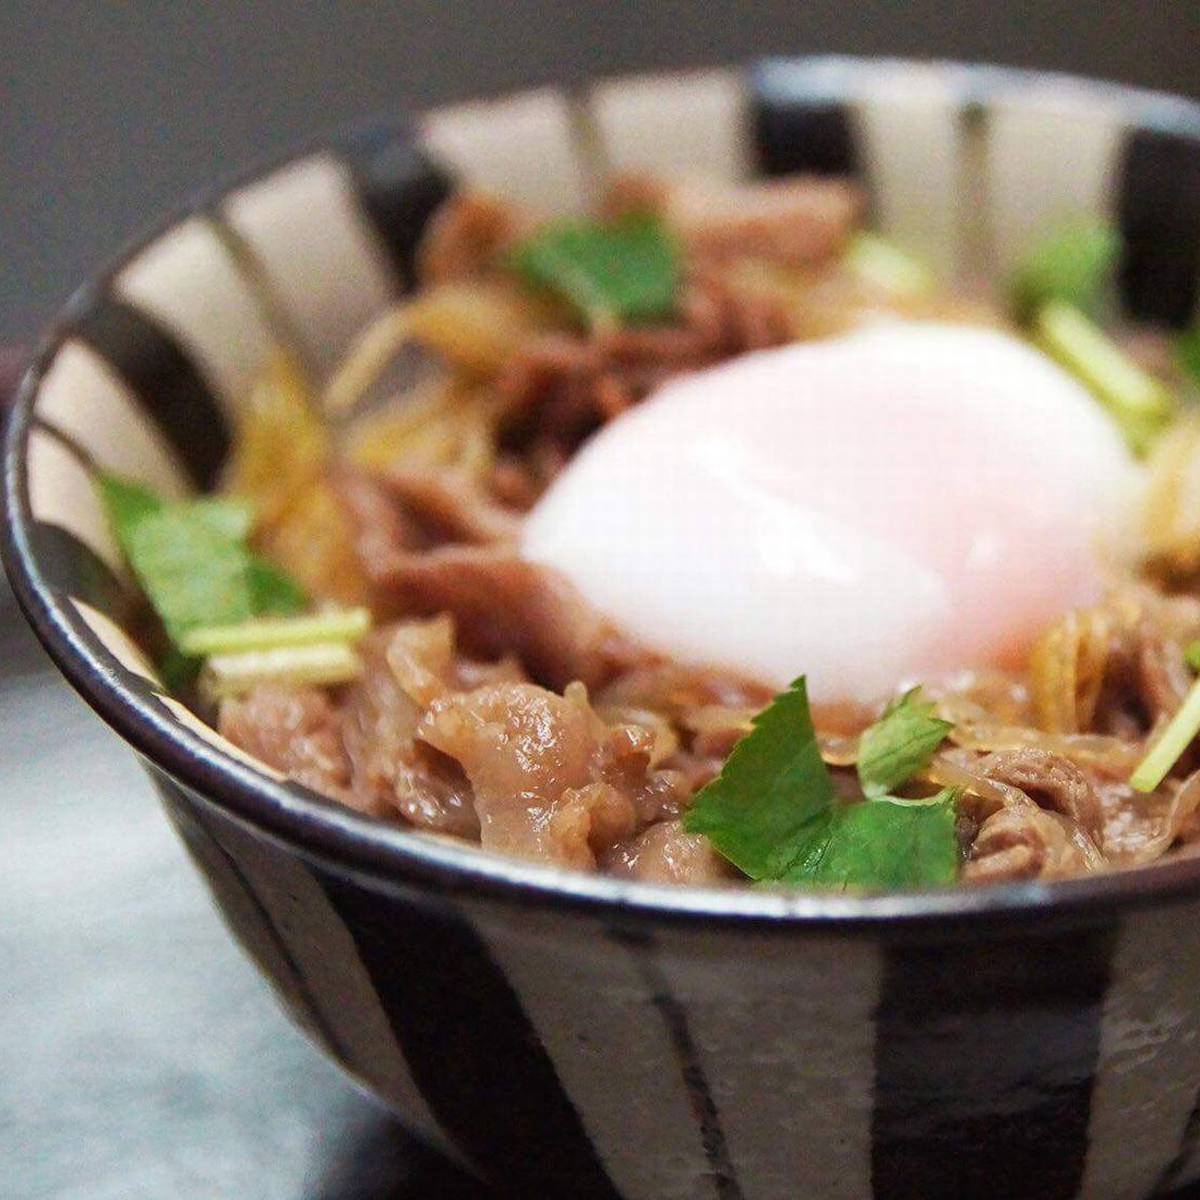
[(172, 392), (801, 120), (1186, 1151), (1159, 213), (984, 1062), (674, 1017), (70, 567), (399, 189), (241, 907), (471, 1048)]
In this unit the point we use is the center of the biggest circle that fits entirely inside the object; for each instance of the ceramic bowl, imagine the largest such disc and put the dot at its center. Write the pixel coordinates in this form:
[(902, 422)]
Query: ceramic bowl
[(563, 1034)]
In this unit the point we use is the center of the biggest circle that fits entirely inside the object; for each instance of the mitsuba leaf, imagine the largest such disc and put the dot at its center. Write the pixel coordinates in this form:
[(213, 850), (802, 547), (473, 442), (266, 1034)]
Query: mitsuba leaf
[(271, 590), (774, 812), (611, 273), (773, 792), (1072, 263), (1187, 354), (885, 844), (191, 558), (899, 744)]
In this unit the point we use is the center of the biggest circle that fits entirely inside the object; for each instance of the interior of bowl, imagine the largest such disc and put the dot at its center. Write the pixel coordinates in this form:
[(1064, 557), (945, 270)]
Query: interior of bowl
[(144, 371)]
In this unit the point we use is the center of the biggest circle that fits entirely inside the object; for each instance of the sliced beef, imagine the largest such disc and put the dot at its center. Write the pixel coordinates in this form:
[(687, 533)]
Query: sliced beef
[(1051, 781), (392, 771), (464, 237), (1162, 672), (535, 762), (797, 220), (382, 528), (504, 605), (560, 387), (296, 731), (450, 507), (665, 853), (677, 690), (1027, 842)]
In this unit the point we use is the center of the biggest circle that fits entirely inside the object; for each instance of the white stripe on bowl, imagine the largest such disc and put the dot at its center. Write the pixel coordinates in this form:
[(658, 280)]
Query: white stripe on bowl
[(908, 125), (318, 253), (693, 123), (1052, 156), (188, 282), (204, 730), (62, 493), (339, 987), (1145, 1084), (115, 640), (584, 996), (84, 397), (520, 147), (785, 1031)]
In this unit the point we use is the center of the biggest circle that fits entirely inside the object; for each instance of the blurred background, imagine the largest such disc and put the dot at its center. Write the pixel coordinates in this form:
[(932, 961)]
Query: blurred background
[(110, 112), (140, 1057)]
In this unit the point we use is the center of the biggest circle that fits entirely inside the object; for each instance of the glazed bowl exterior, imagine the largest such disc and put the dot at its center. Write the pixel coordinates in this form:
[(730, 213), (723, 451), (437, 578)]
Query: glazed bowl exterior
[(587, 1037)]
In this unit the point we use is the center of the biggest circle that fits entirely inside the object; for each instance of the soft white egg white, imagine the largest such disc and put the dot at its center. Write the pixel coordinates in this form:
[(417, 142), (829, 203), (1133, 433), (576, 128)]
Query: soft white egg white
[(892, 505)]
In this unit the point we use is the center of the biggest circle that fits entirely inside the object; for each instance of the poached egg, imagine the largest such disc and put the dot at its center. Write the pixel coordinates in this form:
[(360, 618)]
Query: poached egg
[(889, 506)]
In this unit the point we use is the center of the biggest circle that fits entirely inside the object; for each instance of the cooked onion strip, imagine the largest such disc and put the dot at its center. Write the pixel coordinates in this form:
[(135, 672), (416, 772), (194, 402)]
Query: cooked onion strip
[(377, 346), (838, 750), (974, 729), (1181, 805), (1170, 524), (1066, 670), (473, 327), (1092, 855), (947, 773)]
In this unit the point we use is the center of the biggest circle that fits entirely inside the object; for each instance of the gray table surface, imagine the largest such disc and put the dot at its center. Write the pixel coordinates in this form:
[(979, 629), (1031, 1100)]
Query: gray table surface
[(140, 1054)]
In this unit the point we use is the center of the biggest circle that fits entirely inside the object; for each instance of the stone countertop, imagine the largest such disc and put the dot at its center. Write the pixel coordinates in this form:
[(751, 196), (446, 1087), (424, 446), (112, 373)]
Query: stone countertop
[(141, 1056)]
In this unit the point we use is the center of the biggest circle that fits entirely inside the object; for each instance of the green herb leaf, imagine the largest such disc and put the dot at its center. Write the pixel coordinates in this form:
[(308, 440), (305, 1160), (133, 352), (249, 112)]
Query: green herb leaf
[(773, 793), (271, 591), (1192, 654), (884, 844), (627, 270), (188, 569), (899, 744), (774, 813), (126, 502), (1072, 264), (224, 516), (191, 559), (1140, 404), (1187, 354)]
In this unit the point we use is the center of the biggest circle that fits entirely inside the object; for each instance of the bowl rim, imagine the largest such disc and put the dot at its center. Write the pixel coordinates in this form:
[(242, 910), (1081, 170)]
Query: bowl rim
[(409, 860)]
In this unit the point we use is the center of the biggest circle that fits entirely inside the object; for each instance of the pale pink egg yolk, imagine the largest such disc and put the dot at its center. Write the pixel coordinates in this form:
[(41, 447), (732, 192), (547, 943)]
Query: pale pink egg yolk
[(889, 506)]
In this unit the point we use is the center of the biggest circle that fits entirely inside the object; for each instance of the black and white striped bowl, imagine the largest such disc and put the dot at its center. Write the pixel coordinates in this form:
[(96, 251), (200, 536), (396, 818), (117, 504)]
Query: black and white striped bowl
[(585, 1037)]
